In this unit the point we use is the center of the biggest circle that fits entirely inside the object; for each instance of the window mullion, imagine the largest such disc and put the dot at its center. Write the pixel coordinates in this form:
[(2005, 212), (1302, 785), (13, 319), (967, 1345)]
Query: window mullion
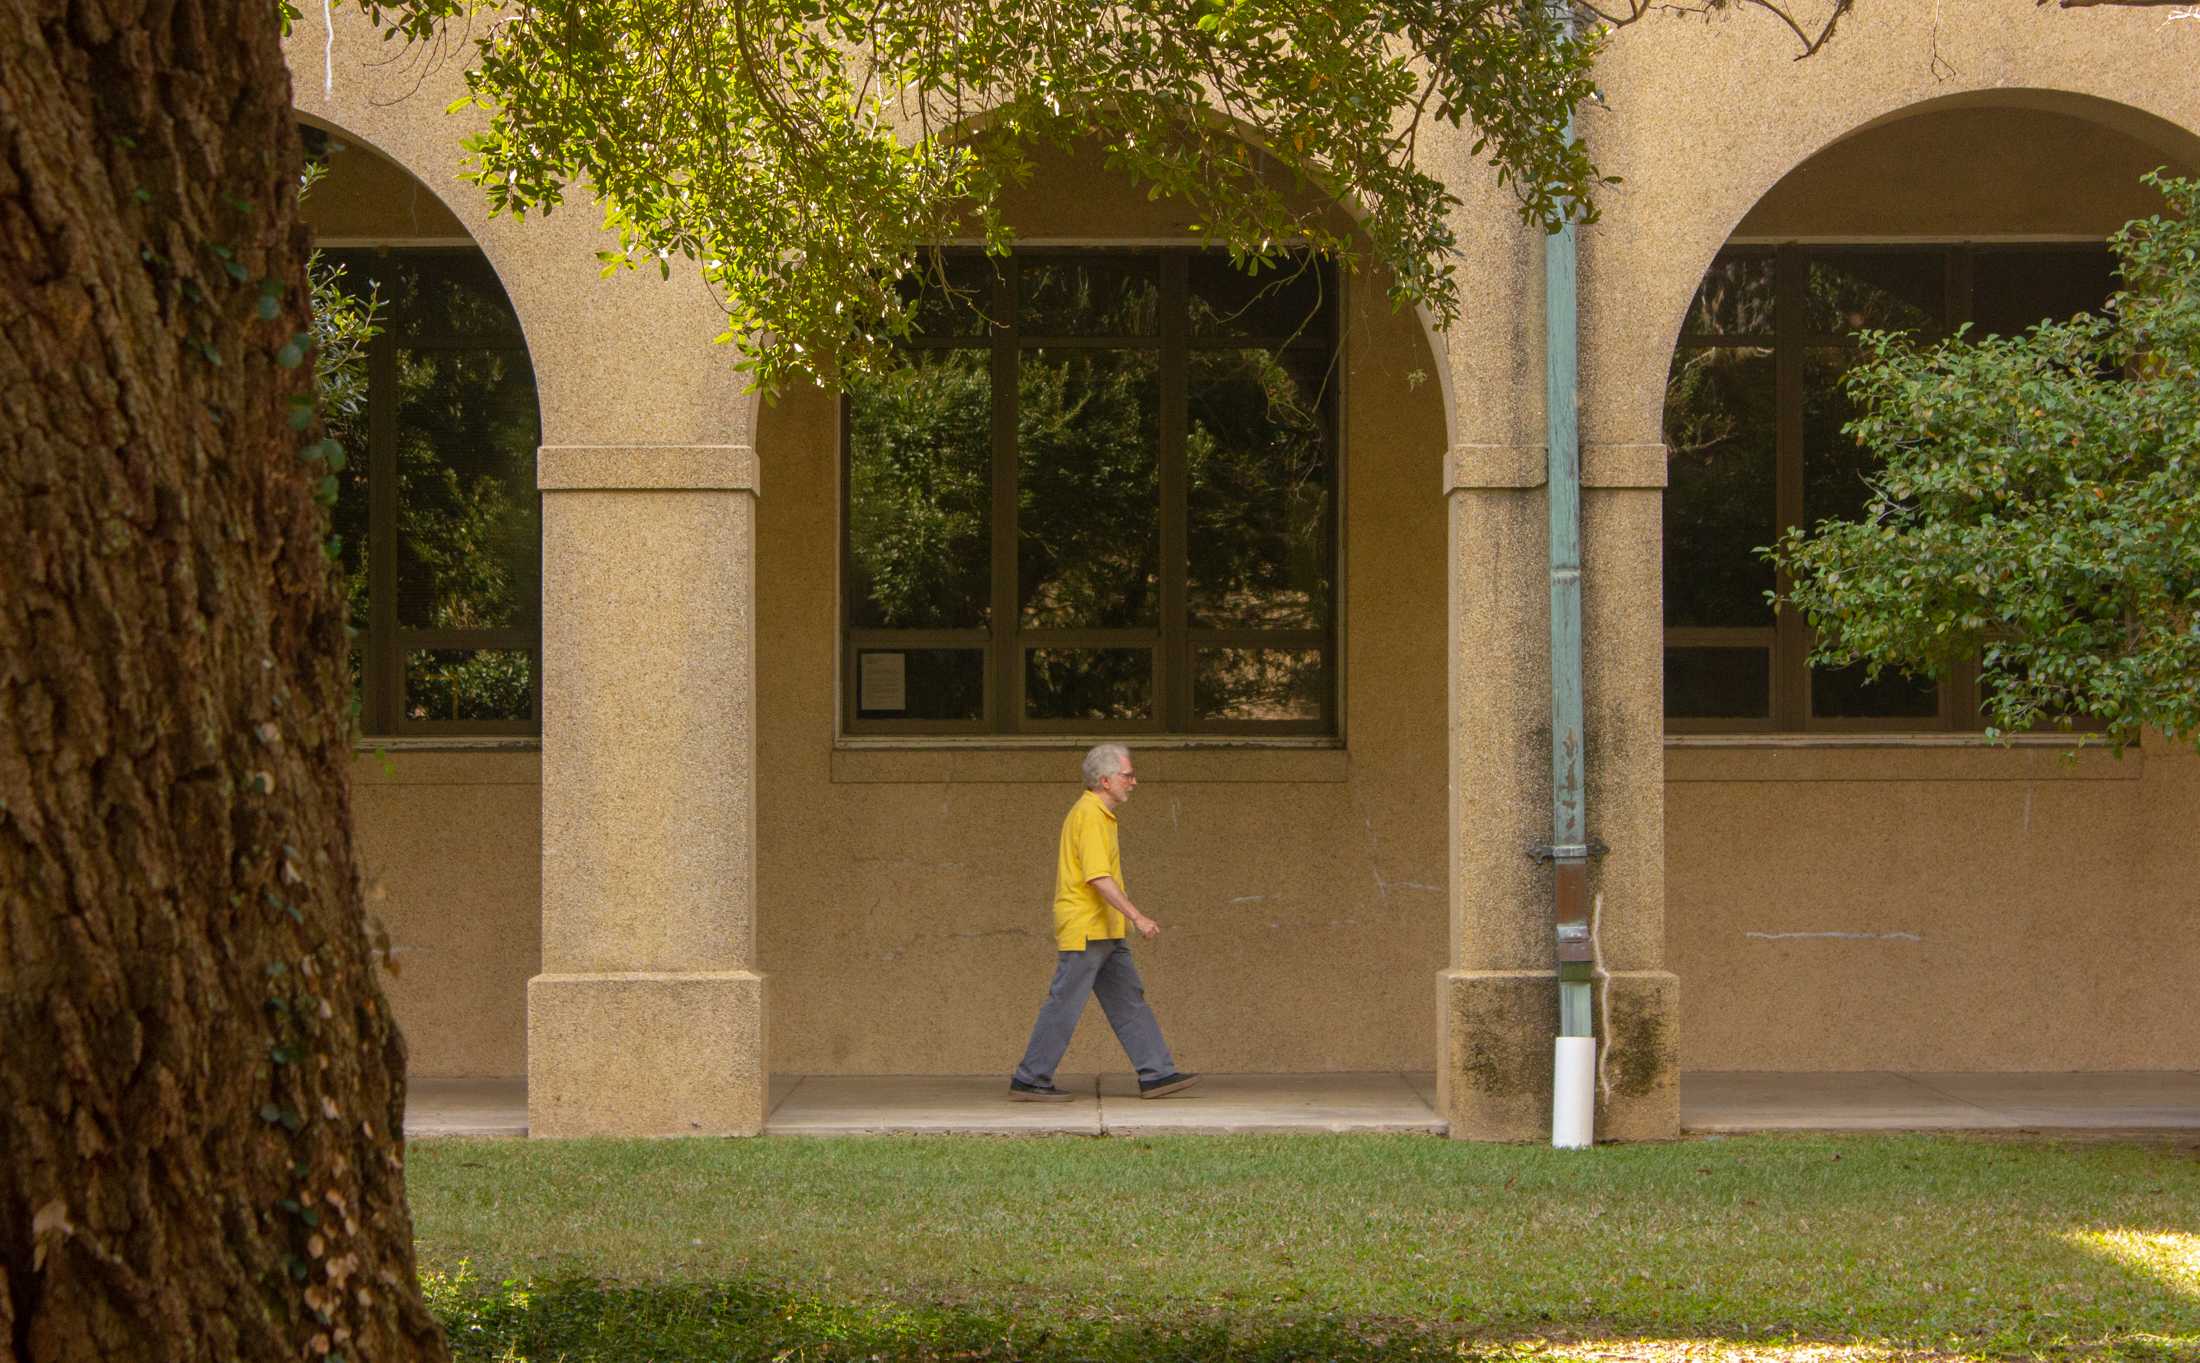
[(1008, 661), (1790, 672), (1959, 692), (1172, 662), (1333, 411), (384, 670), (850, 701)]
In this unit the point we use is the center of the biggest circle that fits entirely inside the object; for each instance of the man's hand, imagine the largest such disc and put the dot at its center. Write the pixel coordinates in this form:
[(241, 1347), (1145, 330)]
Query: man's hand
[(1108, 890)]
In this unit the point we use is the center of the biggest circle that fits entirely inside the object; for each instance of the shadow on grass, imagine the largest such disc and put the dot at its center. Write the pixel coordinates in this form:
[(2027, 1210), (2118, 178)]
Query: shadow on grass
[(582, 1320), (579, 1320)]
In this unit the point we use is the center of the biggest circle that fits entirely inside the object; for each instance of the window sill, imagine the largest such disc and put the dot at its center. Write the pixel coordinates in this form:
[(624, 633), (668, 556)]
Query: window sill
[(422, 761), (1050, 760), (1896, 757), (455, 743)]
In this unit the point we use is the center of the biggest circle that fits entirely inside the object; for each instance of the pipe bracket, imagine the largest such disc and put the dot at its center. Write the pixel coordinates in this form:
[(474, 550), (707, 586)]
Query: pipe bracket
[(1567, 851)]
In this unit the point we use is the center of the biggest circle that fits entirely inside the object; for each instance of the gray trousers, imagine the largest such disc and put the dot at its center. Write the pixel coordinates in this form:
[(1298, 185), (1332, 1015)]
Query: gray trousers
[(1103, 968)]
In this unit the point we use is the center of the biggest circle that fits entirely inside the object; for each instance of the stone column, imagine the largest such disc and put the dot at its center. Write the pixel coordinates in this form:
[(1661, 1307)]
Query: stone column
[(1497, 1002), (648, 1018), (1497, 1006), (1623, 639)]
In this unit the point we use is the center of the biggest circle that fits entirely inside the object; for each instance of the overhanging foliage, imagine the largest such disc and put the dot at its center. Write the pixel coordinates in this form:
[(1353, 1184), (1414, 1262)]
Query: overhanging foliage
[(802, 153), (2039, 505)]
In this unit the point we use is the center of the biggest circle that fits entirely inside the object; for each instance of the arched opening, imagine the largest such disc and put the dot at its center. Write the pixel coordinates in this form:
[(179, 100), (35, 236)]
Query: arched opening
[(1265, 629), (1896, 895), (439, 534), (1966, 215)]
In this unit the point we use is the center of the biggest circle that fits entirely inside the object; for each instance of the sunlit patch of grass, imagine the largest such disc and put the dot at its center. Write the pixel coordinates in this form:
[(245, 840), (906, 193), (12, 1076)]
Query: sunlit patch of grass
[(2170, 1257), (1718, 1351)]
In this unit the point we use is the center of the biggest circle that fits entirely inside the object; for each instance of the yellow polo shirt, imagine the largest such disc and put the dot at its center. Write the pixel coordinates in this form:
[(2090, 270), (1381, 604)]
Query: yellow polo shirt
[(1089, 849)]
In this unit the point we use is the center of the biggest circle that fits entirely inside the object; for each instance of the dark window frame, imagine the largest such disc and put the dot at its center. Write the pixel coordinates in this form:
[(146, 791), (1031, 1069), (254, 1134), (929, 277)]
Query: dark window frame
[(382, 647), (1005, 640), (1787, 640)]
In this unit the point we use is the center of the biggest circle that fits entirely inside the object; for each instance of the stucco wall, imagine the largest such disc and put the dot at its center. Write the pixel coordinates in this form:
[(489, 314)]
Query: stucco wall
[(1971, 172), (451, 847), (1899, 907), (365, 197)]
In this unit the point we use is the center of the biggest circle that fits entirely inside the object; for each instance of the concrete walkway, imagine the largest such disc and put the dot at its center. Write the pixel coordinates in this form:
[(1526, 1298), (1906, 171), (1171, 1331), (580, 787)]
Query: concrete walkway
[(1108, 1105), (834, 1105), (1882, 1100)]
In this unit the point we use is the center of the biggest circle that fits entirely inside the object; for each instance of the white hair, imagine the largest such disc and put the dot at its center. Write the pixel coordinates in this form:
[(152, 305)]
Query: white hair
[(1104, 760)]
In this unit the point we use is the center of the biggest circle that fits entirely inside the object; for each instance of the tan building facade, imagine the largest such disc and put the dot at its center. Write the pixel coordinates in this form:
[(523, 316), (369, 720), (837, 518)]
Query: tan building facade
[(688, 869)]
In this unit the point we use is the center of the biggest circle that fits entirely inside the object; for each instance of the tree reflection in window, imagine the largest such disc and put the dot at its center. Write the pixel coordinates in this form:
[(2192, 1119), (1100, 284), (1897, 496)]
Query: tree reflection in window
[(1753, 416), (1088, 489), (919, 494), (1154, 431), (1257, 468), (438, 515)]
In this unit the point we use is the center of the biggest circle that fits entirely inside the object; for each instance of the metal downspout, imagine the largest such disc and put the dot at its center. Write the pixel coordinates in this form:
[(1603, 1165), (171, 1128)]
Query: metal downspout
[(1569, 848)]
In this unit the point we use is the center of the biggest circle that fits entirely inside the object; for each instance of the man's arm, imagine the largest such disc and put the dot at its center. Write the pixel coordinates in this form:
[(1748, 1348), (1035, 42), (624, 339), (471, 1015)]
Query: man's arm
[(1107, 889)]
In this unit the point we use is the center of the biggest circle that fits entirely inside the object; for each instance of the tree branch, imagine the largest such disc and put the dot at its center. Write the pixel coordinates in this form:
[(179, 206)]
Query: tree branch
[(1811, 42)]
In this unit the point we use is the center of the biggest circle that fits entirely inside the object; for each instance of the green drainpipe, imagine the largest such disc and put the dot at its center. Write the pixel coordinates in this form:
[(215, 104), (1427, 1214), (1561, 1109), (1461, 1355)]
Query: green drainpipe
[(1569, 848)]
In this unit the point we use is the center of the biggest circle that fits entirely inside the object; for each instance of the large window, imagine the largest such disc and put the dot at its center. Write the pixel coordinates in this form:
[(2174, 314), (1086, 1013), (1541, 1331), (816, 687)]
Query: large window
[(1100, 496), (439, 519), (1753, 415)]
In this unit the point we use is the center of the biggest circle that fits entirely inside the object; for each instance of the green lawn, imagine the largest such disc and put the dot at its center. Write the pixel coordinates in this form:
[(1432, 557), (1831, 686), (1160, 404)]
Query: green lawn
[(1349, 1247)]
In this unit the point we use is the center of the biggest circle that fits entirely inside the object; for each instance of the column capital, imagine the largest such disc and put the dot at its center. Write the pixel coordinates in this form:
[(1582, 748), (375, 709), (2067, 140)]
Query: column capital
[(1480, 467), (1519, 467), (643, 468)]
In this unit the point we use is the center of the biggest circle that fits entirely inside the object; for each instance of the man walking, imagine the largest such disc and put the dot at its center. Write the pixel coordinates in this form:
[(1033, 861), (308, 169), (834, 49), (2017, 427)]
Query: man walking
[(1093, 956)]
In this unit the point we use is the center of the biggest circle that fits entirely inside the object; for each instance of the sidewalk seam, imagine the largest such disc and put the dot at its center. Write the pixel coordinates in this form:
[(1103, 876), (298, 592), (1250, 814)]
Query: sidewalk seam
[(799, 1081), (1979, 1108)]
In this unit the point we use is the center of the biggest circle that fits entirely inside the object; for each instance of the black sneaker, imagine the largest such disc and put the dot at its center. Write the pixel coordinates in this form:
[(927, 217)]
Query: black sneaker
[(1021, 1092), (1166, 1085)]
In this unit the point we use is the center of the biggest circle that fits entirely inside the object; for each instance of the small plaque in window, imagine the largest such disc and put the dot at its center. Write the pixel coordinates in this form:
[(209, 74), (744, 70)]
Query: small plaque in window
[(882, 682)]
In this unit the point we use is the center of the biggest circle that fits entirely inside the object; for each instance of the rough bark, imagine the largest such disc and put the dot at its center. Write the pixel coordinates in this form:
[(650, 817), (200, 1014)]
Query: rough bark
[(200, 1085)]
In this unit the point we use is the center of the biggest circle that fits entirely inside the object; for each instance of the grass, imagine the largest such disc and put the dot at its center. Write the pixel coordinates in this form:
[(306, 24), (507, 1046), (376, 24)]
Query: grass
[(1345, 1247)]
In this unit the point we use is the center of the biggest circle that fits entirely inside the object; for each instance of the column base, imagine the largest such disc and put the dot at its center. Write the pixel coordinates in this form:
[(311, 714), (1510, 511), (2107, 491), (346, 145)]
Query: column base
[(1493, 1055), (646, 1054)]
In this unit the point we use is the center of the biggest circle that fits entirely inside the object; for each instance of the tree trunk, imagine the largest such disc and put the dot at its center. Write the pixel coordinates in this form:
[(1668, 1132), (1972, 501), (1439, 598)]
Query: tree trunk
[(200, 1085)]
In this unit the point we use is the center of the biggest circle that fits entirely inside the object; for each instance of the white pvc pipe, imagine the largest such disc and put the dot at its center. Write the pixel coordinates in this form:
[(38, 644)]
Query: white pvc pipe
[(1574, 1093)]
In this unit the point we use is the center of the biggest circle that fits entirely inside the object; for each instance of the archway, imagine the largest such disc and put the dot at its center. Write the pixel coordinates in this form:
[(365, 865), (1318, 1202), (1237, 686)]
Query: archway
[(1299, 875), (1897, 895), (439, 529)]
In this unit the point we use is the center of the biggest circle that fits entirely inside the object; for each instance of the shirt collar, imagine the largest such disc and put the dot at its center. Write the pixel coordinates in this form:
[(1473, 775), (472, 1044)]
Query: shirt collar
[(1100, 804)]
